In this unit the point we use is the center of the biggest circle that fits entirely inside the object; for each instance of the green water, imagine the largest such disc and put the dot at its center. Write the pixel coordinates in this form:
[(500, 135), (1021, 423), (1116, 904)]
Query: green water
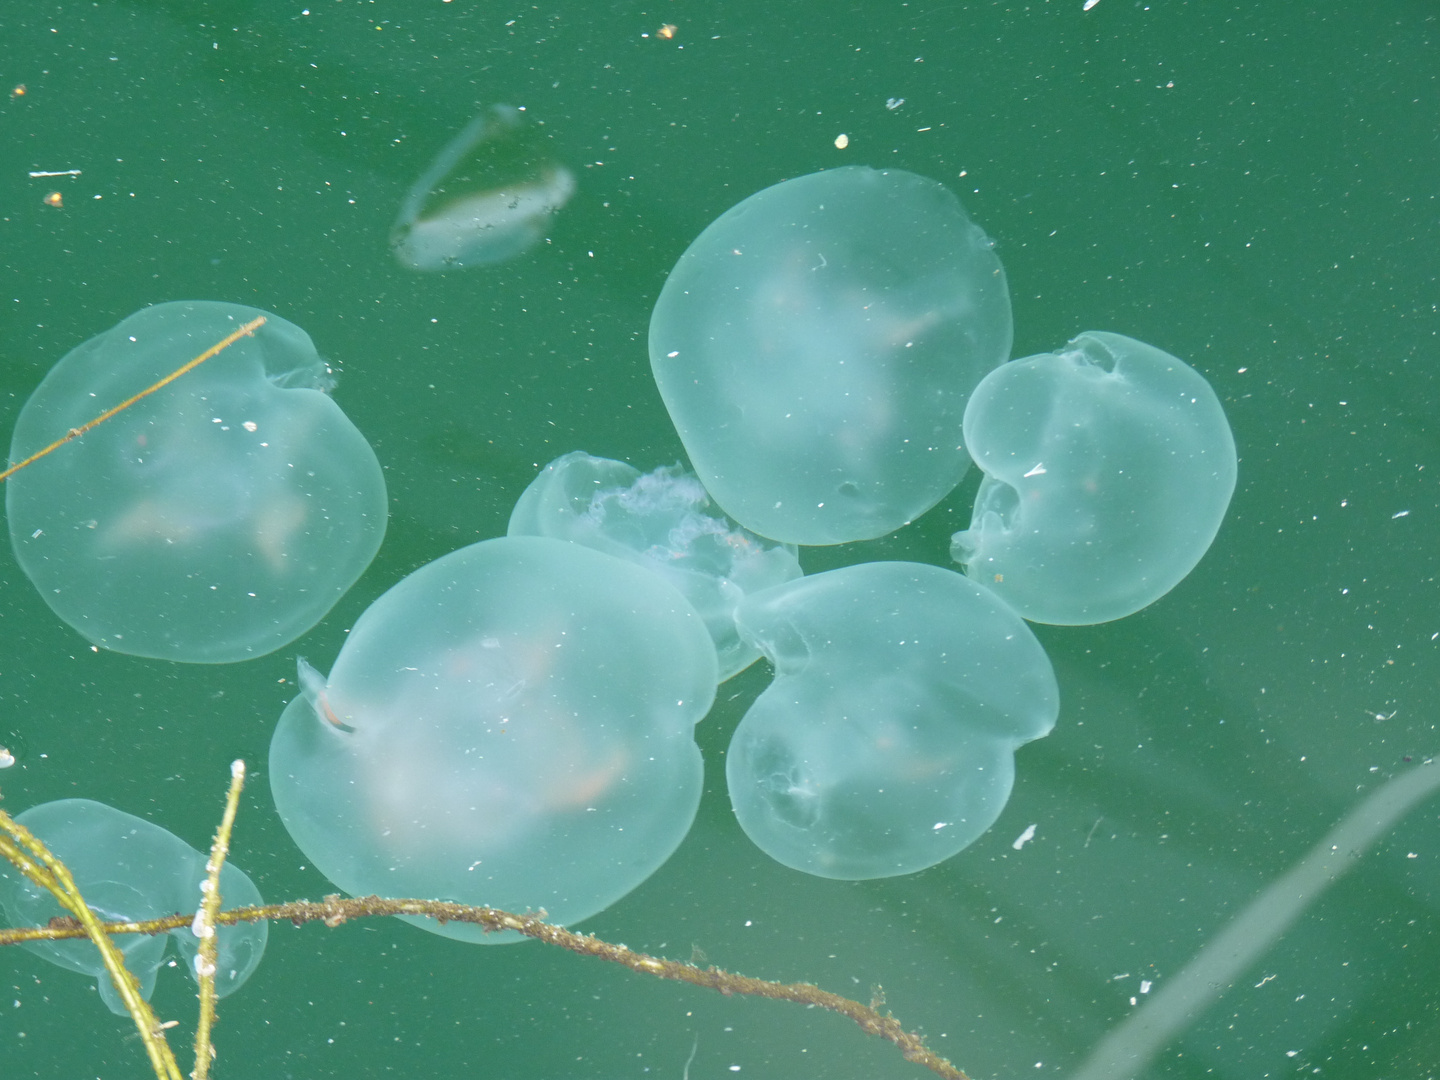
[(1252, 189)]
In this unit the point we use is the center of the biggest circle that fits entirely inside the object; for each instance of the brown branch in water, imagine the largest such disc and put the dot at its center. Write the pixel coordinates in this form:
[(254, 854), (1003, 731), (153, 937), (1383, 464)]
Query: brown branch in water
[(334, 910)]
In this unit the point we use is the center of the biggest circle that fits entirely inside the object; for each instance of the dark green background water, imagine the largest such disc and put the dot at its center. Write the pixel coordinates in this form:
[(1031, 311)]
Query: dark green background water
[(1251, 187)]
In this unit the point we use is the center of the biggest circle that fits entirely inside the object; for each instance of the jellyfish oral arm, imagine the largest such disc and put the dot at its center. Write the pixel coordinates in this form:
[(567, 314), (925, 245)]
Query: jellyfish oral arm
[(315, 688)]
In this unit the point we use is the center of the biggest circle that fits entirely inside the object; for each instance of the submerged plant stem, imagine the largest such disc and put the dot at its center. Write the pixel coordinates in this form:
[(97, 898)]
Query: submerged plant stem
[(334, 910), (205, 924)]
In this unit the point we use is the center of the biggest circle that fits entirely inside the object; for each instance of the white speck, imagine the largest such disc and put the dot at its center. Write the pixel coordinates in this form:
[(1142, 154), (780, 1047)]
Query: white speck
[(1024, 838), (1145, 985), (674, 354), (249, 425), (1402, 513), (203, 966), (37, 534), (894, 103), (841, 141), (940, 825), (1089, 4), (7, 759), (1038, 470)]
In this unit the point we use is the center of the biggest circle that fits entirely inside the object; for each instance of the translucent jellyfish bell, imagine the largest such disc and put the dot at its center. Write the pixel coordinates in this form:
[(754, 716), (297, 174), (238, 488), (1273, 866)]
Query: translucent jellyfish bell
[(510, 725), (487, 197), (815, 347), (216, 519), (661, 520), (129, 870), (886, 742), (1109, 465)]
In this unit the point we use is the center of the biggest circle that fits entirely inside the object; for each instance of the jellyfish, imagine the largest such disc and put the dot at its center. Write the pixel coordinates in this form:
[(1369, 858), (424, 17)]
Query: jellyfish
[(816, 345), (510, 725), (660, 520), (213, 521), (486, 198), (129, 870), (886, 742), (1108, 464)]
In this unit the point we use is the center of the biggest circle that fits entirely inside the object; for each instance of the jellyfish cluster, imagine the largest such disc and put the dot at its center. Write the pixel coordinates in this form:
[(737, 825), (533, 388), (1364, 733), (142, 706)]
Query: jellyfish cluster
[(513, 723)]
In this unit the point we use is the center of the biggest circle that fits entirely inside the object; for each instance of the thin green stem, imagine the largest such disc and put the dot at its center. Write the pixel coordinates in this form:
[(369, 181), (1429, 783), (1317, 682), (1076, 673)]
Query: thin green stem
[(204, 925)]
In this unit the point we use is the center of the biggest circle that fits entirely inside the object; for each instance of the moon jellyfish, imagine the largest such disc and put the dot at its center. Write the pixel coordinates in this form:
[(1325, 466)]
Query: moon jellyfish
[(510, 725), (215, 520), (1109, 465), (487, 197), (816, 345), (129, 870), (886, 742), (659, 520)]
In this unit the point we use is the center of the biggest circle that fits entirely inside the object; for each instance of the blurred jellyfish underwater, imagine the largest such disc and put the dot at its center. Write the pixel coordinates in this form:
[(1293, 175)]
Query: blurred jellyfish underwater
[(486, 197)]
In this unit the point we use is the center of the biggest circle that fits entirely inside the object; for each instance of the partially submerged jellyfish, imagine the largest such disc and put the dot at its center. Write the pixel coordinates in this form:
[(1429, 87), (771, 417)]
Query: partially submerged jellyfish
[(487, 197), (886, 742), (661, 520), (816, 345), (213, 521), (510, 725), (1109, 465), (129, 870)]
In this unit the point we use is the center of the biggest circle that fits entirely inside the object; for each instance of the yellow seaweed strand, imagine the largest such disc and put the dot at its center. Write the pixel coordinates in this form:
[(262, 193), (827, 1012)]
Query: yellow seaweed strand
[(205, 925), (219, 346)]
